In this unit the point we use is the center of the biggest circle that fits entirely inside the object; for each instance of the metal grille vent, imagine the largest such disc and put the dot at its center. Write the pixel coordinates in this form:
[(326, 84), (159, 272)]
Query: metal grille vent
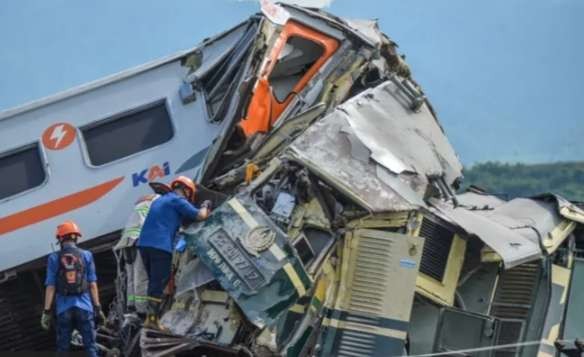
[(370, 288), (515, 292), (438, 241), (510, 332), (512, 303), (370, 284), (354, 343)]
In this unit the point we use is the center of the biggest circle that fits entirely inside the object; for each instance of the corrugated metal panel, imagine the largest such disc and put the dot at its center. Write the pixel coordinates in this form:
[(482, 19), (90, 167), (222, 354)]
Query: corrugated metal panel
[(372, 311), (510, 332), (512, 303), (515, 292)]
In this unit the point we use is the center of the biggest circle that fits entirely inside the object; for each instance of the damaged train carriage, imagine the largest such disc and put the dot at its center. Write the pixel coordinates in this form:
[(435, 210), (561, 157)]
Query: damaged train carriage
[(338, 230)]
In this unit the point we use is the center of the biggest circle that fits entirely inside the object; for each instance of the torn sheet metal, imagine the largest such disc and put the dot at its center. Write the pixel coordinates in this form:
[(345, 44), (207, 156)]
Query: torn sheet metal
[(540, 218), (274, 12), (400, 139), (322, 21), (206, 57), (513, 247), (368, 28), (534, 219), (378, 151), (566, 208), (156, 343), (251, 259), (476, 201), (326, 149)]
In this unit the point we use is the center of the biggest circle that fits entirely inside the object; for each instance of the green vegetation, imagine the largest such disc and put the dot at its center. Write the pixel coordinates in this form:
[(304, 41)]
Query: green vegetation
[(564, 178)]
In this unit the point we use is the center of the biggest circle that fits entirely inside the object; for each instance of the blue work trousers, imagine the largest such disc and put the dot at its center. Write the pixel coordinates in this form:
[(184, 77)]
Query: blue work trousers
[(158, 266), (80, 320)]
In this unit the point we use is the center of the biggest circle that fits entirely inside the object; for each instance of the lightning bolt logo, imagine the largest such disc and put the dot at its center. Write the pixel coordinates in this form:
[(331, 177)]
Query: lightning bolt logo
[(58, 136)]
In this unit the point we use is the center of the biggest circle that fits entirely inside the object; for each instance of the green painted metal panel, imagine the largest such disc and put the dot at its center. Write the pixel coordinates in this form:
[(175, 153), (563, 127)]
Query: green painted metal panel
[(574, 322)]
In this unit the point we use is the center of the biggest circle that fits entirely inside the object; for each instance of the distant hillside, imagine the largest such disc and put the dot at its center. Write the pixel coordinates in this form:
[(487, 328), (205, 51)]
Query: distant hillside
[(564, 178)]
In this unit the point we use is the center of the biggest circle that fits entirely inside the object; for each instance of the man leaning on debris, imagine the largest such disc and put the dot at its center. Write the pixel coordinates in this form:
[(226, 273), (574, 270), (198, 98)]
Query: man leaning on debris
[(157, 237), (71, 277)]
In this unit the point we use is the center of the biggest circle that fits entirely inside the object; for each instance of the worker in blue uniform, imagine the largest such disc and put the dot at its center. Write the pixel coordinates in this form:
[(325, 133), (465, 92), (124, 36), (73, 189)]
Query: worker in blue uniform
[(157, 237), (72, 279)]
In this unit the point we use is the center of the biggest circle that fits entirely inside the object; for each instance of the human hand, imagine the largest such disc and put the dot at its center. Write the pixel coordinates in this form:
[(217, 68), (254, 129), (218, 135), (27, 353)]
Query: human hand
[(98, 315), (207, 204), (46, 320)]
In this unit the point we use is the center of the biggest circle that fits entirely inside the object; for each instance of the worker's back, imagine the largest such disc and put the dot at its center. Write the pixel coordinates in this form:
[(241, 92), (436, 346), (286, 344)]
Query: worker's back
[(163, 221), (55, 273)]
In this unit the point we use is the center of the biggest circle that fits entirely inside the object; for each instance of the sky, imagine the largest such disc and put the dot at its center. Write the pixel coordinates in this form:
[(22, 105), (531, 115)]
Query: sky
[(505, 76)]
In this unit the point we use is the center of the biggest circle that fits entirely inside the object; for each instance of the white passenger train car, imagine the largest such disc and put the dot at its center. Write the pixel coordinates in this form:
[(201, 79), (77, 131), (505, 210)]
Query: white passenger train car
[(88, 153)]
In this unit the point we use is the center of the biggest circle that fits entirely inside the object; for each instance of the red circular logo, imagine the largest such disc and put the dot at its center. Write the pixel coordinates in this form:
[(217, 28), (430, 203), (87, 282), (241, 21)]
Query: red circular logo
[(59, 136)]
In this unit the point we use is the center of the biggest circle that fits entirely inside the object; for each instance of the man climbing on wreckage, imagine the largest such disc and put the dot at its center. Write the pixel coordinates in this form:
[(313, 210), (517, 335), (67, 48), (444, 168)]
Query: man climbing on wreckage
[(71, 277), (157, 237)]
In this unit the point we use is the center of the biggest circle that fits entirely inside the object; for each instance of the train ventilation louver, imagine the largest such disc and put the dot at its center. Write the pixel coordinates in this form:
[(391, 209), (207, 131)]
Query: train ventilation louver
[(371, 314), (369, 286), (436, 249), (512, 303)]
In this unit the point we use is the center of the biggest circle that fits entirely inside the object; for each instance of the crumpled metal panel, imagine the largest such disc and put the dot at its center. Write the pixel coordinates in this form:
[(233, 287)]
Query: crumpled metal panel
[(154, 343), (534, 219), (323, 22), (566, 208), (514, 247), (214, 50), (479, 201), (399, 138), (515, 229), (326, 149), (251, 258), (368, 28), (378, 151)]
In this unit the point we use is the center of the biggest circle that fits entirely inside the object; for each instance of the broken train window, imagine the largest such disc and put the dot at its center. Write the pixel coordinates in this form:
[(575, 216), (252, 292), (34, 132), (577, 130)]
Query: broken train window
[(294, 61), (220, 83)]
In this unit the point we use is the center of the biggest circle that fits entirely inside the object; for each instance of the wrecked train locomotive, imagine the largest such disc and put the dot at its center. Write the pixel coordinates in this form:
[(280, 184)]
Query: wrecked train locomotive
[(337, 229)]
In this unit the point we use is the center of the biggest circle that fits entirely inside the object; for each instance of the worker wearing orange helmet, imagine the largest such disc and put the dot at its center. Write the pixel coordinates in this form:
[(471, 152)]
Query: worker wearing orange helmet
[(157, 237), (72, 279)]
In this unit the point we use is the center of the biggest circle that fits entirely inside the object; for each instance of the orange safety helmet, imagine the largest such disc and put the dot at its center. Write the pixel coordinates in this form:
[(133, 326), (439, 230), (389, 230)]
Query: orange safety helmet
[(185, 182), (66, 228)]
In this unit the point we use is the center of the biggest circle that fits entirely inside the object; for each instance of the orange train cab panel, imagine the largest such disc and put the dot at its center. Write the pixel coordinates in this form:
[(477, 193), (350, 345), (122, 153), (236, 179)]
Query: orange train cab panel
[(296, 57)]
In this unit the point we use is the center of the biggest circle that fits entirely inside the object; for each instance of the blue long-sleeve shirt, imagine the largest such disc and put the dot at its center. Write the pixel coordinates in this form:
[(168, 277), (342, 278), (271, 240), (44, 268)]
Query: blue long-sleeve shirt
[(163, 221)]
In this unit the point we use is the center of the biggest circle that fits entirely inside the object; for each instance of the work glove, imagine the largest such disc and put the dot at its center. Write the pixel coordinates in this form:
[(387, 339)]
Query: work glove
[(207, 204), (98, 315), (46, 320)]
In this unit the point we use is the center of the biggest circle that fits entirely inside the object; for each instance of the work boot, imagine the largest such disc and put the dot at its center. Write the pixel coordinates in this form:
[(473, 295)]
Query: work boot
[(152, 321)]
